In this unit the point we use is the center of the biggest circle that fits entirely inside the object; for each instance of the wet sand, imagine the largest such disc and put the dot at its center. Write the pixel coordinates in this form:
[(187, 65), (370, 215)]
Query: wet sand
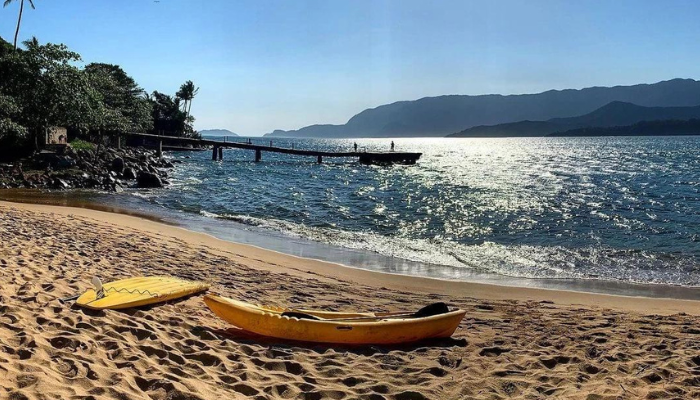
[(514, 342)]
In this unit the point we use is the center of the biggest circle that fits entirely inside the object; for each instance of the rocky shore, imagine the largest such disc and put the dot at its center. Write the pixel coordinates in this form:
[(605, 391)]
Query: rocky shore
[(110, 169)]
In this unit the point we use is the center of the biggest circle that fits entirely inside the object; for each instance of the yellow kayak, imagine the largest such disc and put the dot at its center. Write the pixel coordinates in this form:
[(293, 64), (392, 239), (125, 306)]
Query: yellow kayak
[(332, 327)]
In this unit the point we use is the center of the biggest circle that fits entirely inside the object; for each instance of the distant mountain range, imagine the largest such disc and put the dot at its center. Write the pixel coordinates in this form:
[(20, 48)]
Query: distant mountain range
[(644, 128), (444, 115), (613, 114), (217, 132)]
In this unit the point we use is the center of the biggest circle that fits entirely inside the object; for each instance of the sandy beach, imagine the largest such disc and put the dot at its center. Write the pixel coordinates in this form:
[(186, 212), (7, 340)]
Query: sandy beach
[(513, 343)]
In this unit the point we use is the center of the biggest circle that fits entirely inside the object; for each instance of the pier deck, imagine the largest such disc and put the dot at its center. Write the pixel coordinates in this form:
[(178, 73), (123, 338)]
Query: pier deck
[(389, 157)]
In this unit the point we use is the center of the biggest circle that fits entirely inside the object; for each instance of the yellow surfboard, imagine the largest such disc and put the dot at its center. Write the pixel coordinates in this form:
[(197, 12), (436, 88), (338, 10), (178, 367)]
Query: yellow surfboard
[(136, 292)]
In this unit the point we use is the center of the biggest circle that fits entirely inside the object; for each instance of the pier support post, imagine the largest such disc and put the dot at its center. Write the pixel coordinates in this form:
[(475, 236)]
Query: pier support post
[(320, 159), (221, 153), (159, 152), (119, 142), (214, 153), (258, 155)]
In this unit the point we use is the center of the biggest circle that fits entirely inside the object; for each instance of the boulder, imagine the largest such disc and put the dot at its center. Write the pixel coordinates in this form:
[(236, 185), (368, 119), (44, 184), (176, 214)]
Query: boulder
[(60, 184), (118, 165), (129, 174), (148, 180), (55, 161), (108, 180), (91, 182)]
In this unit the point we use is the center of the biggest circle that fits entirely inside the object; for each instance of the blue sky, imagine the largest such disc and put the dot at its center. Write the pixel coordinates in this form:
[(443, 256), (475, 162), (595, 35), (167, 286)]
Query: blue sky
[(264, 65)]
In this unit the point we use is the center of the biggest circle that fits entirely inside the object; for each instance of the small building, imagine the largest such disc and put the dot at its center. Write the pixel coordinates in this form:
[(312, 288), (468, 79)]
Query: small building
[(56, 135)]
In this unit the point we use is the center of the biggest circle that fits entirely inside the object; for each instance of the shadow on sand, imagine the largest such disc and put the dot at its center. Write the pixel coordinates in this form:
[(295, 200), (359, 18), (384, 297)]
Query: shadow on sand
[(245, 337)]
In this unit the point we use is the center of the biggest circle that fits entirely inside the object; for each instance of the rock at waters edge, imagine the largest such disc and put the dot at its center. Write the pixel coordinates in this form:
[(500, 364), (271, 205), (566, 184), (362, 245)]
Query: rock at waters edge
[(118, 165), (129, 174), (148, 180)]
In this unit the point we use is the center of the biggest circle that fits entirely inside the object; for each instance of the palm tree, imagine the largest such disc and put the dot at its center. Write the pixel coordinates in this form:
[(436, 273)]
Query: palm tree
[(186, 93), (19, 20)]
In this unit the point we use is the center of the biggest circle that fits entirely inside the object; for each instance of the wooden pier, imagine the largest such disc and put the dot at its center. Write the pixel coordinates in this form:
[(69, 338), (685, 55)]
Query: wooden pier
[(382, 158)]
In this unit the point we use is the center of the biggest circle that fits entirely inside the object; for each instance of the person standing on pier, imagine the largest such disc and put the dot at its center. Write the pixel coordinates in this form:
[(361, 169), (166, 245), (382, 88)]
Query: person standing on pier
[(392, 145), (355, 147)]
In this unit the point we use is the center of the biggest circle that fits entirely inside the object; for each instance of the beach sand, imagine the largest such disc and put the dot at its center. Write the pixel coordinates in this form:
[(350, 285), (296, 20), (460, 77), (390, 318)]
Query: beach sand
[(513, 343)]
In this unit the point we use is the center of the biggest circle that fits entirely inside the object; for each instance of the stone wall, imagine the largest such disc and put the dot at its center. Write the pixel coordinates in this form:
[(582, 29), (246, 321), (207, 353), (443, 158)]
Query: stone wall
[(56, 135)]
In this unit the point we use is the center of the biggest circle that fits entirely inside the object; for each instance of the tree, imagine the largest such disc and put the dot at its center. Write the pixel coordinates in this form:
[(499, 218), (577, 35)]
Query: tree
[(19, 20), (187, 92), (42, 86), (46, 86), (50, 89), (168, 115), (12, 134), (122, 98)]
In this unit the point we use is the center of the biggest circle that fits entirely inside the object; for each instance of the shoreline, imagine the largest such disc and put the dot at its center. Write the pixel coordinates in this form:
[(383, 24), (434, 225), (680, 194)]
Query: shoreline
[(278, 262), (235, 232)]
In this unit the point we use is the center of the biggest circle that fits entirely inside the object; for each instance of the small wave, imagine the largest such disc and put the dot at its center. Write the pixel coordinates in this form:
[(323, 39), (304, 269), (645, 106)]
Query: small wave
[(208, 214), (521, 261), (144, 195)]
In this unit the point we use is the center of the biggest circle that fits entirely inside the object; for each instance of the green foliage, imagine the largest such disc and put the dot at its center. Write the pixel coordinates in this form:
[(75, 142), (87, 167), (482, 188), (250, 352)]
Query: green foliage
[(42, 86), (186, 93), (169, 116), (125, 105), (79, 144), (48, 89), (9, 110), (12, 134)]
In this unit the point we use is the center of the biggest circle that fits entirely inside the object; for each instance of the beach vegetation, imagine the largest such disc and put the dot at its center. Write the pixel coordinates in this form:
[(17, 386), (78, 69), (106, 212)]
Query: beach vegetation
[(169, 116), (44, 85), (187, 92), (80, 144)]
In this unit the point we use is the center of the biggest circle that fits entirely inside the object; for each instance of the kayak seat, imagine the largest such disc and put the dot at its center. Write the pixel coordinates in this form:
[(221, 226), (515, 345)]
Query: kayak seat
[(432, 309)]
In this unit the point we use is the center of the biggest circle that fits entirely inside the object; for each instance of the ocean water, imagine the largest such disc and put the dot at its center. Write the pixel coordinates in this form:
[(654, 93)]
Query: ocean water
[(617, 209)]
